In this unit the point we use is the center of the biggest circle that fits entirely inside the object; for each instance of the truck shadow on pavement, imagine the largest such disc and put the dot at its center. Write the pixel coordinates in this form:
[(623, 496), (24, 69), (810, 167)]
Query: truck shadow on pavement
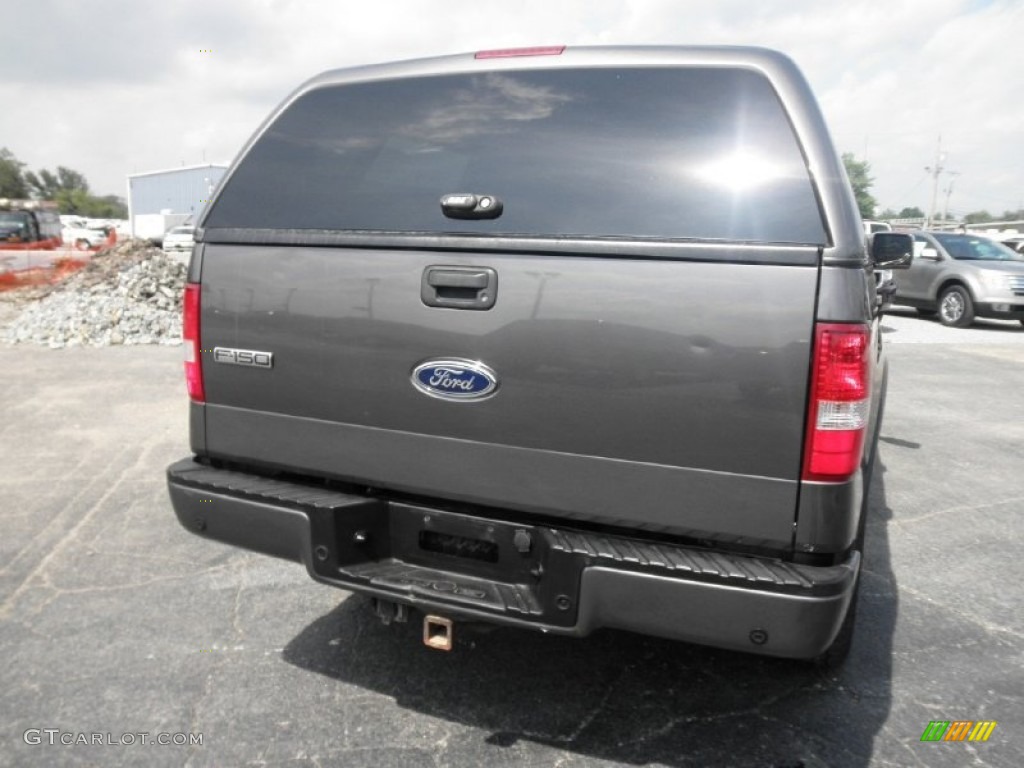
[(614, 695)]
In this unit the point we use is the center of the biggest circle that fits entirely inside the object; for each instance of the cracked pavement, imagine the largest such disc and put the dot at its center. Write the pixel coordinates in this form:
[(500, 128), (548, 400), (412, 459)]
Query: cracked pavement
[(114, 620)]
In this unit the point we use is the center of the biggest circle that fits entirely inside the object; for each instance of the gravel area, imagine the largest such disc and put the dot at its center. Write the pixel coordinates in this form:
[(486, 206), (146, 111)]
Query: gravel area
[(130, 294)]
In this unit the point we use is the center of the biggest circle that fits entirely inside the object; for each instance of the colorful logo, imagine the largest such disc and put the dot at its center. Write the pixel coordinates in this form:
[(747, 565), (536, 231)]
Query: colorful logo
[(958, 730)]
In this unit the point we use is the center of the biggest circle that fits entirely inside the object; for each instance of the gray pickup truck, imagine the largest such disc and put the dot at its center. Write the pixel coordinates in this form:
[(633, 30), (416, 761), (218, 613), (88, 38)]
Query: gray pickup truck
[(556, 338)]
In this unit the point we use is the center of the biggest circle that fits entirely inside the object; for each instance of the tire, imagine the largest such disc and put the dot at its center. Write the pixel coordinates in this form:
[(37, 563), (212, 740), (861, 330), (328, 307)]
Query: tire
[(1021, 322), (956, 308), (81, 245)]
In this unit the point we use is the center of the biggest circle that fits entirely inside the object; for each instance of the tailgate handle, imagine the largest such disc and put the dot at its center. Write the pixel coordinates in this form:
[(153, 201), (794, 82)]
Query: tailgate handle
[(459, 287)]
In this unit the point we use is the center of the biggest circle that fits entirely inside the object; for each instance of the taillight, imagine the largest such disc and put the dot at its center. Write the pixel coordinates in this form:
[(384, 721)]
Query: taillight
[(190, 335), (540, 50), (840, 397)]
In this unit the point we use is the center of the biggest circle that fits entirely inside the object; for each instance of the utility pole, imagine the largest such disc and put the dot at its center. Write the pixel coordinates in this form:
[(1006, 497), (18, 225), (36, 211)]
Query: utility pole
[(935, 171), (949, 191)]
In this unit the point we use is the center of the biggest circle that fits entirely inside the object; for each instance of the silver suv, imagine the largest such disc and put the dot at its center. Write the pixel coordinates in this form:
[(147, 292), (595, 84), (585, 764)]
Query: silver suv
[(963, 276)]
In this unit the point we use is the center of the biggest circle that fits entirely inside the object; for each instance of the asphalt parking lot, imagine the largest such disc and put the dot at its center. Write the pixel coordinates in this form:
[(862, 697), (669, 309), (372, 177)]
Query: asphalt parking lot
[(114, 621)]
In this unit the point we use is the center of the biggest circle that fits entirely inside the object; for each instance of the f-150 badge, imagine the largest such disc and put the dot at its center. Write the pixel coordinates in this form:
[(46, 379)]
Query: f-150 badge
[(249, 357), (454, 379)]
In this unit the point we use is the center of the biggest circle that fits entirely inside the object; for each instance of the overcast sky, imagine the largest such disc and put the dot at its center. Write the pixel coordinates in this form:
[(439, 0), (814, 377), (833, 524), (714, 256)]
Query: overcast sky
[(111, 87)]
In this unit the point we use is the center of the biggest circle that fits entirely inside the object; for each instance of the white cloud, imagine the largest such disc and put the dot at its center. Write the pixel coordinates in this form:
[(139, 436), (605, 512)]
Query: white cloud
[(109, 89)]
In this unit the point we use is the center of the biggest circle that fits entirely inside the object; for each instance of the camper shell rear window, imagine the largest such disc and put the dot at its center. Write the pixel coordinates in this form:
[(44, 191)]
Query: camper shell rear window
[(702, 154)]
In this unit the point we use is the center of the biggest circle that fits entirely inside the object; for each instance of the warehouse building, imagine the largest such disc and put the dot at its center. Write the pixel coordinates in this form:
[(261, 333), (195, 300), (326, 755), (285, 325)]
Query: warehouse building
[(159, 200)]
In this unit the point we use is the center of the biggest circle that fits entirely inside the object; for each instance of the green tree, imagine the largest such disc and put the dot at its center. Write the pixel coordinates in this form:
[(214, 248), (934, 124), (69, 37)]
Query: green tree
[(70, 190), (12, 181), (1017, 215), (48, 186), (107, 207), (911, 213), (861, 181), (978, 217), (75, 201)]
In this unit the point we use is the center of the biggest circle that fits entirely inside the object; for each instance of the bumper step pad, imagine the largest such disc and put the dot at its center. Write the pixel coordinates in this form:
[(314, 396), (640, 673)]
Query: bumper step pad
[(258, 488), (378, 545), (744, 571)]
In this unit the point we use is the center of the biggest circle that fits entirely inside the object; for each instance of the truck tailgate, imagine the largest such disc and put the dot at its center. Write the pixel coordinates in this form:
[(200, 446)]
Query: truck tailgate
[(655, 394)]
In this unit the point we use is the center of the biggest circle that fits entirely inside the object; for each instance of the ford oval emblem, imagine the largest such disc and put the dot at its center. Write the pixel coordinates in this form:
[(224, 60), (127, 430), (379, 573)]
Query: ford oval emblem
[(454, 379)]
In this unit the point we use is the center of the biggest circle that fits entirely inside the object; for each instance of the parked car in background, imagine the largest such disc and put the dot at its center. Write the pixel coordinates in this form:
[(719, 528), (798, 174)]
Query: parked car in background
[(78, 233), (154, 227), (963, 276), (1016, 243), (179, 239), (885, 282), (29, 225), (870, 227), (885, 287)]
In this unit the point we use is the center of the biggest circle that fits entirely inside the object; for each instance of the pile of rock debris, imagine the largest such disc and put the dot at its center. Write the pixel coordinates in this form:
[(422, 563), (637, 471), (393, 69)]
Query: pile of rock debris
[(130, 294)]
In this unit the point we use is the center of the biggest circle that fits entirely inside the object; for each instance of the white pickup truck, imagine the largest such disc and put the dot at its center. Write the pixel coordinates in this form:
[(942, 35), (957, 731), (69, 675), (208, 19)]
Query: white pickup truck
[(77, 232)]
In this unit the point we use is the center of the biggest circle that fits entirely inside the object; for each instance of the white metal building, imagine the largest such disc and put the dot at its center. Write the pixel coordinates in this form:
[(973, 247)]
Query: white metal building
[(178, 192)]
